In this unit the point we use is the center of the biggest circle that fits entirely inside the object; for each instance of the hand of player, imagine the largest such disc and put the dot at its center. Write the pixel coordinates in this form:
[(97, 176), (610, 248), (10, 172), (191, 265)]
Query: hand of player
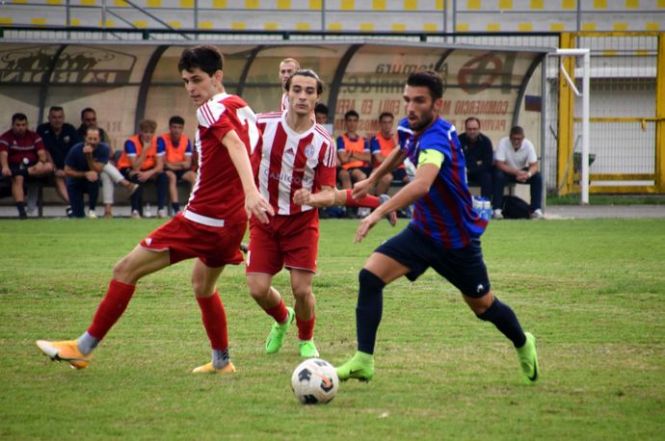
[(60, 173), (522, 176), (257, 206), (6, 171), (302, 197), (91, 176), (361, 189), (366, 224)]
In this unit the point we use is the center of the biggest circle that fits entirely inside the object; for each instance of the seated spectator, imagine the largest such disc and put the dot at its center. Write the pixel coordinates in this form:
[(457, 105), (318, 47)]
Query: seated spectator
[(479, 156), (110, 175), (22, 155), (380, 146), (58, 138), (178, 158), (142, 161), (83, 166), (516, 161), (352, 152), (321, 113)]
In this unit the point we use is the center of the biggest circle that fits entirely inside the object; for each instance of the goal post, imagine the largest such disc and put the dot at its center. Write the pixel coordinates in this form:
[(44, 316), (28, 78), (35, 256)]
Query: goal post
[(584, 94)]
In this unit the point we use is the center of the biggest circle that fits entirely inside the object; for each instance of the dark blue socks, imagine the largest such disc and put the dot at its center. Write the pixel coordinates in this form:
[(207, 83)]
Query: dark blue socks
[(506, 321), (368, 310)]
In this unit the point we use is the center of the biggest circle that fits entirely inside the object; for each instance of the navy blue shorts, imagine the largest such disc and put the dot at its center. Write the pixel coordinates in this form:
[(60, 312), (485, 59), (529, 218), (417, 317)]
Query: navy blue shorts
[(179, 173), (463, 267)]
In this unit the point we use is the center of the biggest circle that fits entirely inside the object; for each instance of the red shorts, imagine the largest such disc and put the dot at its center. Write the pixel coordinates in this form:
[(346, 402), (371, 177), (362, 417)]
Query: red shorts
[(185, 239), (290, 241)]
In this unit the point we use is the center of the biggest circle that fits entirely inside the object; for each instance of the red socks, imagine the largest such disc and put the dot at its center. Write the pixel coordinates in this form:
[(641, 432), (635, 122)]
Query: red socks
[(279, 312), (368, 201), (111, 308), (305, 328), (214, 320)]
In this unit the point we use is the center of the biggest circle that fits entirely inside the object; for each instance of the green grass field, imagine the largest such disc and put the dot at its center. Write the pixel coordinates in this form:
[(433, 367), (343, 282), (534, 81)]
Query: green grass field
[(591, 291)]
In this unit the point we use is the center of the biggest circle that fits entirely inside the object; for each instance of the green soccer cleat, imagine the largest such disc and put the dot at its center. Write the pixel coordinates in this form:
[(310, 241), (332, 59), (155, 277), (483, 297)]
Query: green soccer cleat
[(275, 339), (529, 358), (308, 349), (360, 366)]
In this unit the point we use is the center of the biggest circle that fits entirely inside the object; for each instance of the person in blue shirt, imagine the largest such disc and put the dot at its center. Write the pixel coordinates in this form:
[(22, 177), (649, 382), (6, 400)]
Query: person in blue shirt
[(59, 137), (444, 233), (83, 164)]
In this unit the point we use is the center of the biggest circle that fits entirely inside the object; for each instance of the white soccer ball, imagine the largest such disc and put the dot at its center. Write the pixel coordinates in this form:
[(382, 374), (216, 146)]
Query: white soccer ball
[(314, 381)]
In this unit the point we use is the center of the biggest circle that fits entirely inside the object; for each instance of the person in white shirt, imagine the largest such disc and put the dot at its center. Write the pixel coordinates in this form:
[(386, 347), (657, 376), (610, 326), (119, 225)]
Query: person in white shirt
[(516, 161)]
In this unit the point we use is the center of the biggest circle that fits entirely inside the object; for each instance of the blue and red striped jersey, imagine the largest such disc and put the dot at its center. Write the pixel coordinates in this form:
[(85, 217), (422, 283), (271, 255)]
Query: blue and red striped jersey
[(446, 212)]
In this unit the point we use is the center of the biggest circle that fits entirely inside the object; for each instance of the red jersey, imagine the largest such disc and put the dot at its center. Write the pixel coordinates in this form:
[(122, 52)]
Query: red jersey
[(286, 161), (217, 195), (19, 147)]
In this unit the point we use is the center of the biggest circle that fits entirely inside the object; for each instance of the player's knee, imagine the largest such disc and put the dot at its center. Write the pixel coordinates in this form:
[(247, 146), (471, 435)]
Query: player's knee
[(303, 293), (369, 281), (480, 304), (201, 288), (122, 270), (258, 289)]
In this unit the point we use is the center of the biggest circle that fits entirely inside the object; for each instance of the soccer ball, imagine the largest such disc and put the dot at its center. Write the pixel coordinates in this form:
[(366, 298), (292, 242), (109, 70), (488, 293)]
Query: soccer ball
[(314, 381)]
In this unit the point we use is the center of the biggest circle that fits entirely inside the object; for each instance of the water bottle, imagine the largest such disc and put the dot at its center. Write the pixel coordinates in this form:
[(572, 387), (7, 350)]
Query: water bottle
[(148, 211), (482, 207), (487, 210)]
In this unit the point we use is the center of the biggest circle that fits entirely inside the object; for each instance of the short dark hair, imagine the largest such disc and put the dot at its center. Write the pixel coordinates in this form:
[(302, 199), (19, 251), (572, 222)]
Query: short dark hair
[(321, 108), (386, 114), (306, 73), (176, 119), (351, 113), (429, 79), (207, 58), (516, 130), (86, 110), (19, 117), (56, 109), (472, 118)]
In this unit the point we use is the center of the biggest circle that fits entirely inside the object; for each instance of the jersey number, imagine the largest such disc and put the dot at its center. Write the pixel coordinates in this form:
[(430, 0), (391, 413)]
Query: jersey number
[(247, 117)]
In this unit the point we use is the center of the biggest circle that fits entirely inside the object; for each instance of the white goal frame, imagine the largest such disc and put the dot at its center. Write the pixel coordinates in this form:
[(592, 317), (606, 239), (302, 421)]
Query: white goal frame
[(585, 94)]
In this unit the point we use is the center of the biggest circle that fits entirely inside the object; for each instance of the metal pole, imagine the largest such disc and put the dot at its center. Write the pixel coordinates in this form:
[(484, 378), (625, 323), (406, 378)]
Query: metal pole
[(68, 16), (454, 18), (585, 126), (323, 18), (104, 19), (579, 15), (445, 16), (543, 128), (196, 18)]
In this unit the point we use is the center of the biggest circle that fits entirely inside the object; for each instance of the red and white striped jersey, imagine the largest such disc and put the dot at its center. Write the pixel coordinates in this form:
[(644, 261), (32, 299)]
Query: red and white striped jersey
[(286, 161), (217, 196)]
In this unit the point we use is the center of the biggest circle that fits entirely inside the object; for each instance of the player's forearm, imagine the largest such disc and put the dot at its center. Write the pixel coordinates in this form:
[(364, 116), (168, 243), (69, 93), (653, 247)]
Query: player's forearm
[(411, 192), (324, 198), (3, 159)]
